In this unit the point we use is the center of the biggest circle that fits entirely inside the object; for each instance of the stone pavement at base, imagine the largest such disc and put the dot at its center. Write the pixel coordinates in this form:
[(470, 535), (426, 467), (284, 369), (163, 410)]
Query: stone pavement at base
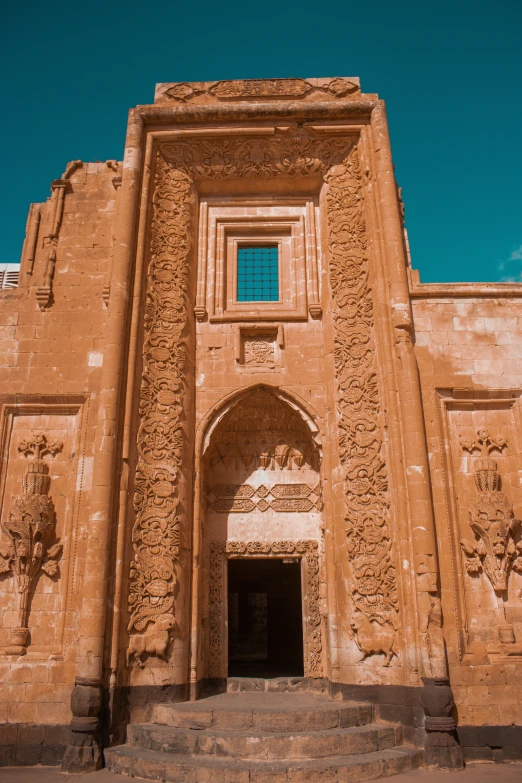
[(474, 773)]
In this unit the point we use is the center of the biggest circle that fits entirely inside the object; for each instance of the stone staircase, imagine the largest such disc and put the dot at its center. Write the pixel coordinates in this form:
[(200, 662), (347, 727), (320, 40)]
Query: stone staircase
[(265, 735)]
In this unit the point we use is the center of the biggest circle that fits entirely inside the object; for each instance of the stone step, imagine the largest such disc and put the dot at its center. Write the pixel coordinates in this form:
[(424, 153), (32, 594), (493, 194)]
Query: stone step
[(264, 745), (155, 765), (264, 712), (276, 684)]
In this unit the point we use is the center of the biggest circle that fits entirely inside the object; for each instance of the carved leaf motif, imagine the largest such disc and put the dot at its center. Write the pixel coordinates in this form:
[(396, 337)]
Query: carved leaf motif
[(50, 567), (54, 550), (5, 565)]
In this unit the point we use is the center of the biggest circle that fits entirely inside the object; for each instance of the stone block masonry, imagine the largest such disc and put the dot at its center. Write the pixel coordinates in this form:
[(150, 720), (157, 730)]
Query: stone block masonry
[(355, 424)]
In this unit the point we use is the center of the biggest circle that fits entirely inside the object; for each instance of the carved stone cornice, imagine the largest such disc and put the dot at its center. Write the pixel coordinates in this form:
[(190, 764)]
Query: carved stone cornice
[(260, 89)]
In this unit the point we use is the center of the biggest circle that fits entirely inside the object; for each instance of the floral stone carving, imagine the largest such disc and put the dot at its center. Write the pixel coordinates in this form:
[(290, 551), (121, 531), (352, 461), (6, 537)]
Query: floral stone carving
[(28, 529), (491, 516), (374, 587)]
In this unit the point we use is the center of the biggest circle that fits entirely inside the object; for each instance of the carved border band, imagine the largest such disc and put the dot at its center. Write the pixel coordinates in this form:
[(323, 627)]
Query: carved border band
[(359, 412), (309, 552)]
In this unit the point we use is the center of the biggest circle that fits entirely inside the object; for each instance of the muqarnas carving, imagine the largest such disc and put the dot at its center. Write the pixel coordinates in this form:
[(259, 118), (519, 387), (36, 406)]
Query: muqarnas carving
[(262, 432), (29, 528), (495, 550)]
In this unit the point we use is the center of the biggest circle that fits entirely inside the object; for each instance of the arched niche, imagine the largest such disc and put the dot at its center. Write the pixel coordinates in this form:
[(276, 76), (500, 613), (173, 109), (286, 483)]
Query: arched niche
[(261, 498), (261, 468)]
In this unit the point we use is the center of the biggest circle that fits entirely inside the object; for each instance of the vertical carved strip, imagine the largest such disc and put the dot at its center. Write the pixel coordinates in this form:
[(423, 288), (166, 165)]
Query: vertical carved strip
[(156, 531), (374, 589)]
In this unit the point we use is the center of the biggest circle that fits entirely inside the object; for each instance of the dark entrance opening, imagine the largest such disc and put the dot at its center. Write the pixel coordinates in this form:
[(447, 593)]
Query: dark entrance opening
[(265, 618)]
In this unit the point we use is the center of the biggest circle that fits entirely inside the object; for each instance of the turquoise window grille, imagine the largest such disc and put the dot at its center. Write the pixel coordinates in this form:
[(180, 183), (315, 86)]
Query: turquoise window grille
[(258, 273)]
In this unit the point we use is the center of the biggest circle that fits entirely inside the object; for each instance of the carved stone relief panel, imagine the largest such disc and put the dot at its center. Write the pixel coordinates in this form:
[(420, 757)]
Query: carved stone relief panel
[(308, 551), (359, 415), (257, 89), (483, 492), (259, 348), (41, 493)]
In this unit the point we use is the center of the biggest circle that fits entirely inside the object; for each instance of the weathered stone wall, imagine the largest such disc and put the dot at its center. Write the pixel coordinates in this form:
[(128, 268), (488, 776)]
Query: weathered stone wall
[(470, 361), (51, 356)]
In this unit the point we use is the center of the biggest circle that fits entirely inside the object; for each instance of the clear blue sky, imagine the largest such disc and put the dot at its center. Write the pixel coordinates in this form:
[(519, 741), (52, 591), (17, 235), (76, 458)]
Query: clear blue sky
[(450, 72)]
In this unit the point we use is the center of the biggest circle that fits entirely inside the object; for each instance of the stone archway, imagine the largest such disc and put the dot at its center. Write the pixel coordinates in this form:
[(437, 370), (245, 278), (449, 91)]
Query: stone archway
[(262, 497)]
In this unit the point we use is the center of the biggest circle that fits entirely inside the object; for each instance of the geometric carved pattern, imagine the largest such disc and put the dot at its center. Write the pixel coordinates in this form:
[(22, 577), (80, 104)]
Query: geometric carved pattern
[(308, 551), (374, 588), (240, 498)]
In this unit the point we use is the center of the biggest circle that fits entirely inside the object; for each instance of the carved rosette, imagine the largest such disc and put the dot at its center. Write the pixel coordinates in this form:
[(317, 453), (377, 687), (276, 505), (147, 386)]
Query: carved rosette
[(309, 551), (28, 529), (374, 588), (156, 529)]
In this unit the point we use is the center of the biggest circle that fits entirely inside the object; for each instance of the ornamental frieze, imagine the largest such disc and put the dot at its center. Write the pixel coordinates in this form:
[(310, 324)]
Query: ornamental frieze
[(243, 498)]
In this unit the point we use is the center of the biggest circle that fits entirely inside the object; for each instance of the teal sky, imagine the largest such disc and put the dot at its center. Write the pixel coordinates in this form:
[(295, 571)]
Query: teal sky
[(450, 72)]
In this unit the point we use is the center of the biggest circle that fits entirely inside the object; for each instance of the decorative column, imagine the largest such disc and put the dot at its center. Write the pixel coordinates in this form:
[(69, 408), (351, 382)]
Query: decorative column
[(83, 754), (442, 749)]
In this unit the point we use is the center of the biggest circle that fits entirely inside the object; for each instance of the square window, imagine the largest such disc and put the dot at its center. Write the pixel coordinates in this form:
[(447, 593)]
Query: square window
[(257, 273)]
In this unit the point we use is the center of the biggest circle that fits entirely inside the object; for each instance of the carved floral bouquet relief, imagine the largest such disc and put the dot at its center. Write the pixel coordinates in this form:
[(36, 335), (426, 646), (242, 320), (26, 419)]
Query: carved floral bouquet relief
[(28, 529), (495, 550)]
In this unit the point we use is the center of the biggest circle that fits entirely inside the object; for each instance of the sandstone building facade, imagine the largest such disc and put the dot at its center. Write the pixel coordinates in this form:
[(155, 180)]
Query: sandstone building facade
[(240, 438)]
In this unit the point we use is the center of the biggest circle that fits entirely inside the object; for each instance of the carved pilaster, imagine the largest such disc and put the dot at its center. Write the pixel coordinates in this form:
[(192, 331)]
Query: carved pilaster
[(359, 413)]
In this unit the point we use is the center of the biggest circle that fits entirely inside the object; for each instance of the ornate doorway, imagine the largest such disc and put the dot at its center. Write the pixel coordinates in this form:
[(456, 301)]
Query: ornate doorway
[(262, 500), (265, 618)]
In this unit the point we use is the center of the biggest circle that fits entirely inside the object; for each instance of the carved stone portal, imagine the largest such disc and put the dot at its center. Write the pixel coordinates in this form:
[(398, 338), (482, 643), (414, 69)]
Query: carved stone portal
[(179, 164), (29, 528), (309, 552)]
